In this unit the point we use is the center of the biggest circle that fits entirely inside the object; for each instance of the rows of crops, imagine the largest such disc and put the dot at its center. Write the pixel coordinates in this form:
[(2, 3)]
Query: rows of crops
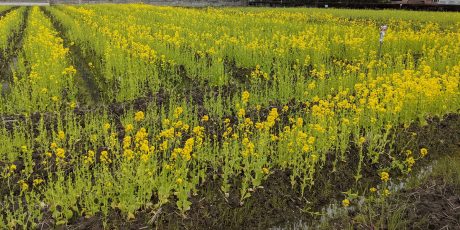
[(100, 115)]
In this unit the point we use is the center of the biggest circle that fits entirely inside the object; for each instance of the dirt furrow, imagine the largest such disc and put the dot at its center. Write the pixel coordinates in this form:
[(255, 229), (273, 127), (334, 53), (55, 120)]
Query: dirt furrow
[(5, 12), (8, 57), (88, 90)]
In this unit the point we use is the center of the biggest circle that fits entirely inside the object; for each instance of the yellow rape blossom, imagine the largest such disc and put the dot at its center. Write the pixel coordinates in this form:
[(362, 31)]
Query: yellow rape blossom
[(168, 133), (361, 140), (410, 161), (128, 154), (89, 158), (60, 153), (241, 113), (23, 185), (13, 168), (384, 176), (144, 157), (105, 157), (141, 135), (129, 127), (139, 116), (127, 142), (178, 111), (245, 97), (386, 192), (305, 148), (37, 181), (345, 202), (408, 152), (423, 152), (285, 109), (178, 124), (61, 135), (198, 130), (265, 170)]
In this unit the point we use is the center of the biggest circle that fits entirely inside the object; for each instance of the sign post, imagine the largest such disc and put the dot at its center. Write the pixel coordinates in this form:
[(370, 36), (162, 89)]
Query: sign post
[(383, 30)]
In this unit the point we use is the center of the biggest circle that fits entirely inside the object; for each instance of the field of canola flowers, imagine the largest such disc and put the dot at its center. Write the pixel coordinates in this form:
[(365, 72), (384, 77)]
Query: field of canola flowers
[(129, 109)]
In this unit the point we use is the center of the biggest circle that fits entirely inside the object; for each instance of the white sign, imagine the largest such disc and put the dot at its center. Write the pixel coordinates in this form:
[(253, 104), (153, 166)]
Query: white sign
[(383, 30)]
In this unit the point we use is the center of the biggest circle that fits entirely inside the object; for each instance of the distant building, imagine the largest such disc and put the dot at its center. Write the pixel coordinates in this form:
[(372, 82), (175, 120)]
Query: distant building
[(428, 2), (425, 2), (448, 2)]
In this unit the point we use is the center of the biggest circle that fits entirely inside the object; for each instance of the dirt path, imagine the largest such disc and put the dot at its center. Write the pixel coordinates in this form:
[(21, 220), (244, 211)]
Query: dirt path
[(88, 91), (3, 13), (10, 54)]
